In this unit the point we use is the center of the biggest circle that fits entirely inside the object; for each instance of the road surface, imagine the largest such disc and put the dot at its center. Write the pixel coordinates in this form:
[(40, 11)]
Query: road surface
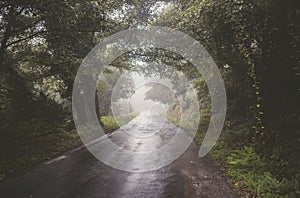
[(78, 173)]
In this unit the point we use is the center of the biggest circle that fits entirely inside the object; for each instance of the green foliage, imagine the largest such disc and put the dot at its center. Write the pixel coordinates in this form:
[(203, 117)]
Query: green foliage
[(26, 144), (42, 45), (114, 80), (250, 173), (256, 46), (110, 124), (158, 92), (248, 170)]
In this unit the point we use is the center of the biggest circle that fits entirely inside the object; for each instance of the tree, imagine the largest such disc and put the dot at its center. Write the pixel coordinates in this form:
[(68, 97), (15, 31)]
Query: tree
[(159, 93), (114, 80), (256, 45), (42, 40)]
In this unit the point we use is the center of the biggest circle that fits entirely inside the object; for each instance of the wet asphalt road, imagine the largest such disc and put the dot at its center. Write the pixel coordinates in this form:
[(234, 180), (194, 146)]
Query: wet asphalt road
[(78, 173)]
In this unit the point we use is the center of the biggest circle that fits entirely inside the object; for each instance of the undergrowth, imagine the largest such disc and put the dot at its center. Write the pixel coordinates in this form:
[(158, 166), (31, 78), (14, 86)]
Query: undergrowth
[(252, 175), (110, 123)]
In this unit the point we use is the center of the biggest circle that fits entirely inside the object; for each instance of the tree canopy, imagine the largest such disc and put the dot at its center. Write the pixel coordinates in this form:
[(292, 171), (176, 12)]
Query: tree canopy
[(255, 44)]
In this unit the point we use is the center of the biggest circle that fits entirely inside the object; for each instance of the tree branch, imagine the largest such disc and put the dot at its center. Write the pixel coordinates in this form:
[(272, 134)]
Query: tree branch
[(25, 38)]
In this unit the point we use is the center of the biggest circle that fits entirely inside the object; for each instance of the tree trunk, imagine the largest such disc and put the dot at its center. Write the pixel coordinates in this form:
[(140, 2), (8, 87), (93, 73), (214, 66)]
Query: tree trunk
[(6, 36), (97, 108)]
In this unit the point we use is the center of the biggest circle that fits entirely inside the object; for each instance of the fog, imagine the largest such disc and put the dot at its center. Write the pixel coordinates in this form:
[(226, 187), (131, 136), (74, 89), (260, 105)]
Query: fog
[(137, 101)]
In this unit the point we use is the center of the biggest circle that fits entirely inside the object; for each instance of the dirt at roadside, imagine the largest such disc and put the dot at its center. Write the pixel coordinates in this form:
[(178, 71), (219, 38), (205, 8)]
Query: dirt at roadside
[(201, 178)]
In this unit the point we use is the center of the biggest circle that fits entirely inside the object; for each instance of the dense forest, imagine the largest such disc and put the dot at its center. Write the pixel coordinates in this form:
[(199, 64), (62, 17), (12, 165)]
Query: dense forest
[(255, 44)]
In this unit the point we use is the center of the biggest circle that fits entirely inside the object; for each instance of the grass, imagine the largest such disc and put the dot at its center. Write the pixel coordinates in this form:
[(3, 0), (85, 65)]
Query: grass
[(110, 124), (29, 143), (188, 126), (25, 152), (250, 175)]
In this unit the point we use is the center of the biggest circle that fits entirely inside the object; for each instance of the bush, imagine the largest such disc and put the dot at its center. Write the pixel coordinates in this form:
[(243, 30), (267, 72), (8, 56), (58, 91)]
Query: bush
[(110, 124), (250, 172)]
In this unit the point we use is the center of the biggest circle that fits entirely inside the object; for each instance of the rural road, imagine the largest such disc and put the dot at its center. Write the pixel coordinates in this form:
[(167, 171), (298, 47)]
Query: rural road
[(78, 173)]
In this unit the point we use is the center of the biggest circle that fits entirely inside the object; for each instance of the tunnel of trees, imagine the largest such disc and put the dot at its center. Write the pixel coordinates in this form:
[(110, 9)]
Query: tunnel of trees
[(255, 44)]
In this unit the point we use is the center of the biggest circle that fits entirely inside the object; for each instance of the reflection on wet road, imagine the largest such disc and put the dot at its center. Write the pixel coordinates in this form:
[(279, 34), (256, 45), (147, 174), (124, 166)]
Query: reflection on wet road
[(79, 174), (146, 143)]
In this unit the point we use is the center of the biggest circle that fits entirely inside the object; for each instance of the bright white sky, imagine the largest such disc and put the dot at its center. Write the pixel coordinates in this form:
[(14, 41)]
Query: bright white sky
[(157, 9)]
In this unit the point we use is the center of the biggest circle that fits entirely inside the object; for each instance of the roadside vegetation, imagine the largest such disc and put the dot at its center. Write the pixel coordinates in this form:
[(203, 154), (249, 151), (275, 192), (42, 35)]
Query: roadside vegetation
[(249, 173), (32, 143), (110, 124), (255, 44)]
